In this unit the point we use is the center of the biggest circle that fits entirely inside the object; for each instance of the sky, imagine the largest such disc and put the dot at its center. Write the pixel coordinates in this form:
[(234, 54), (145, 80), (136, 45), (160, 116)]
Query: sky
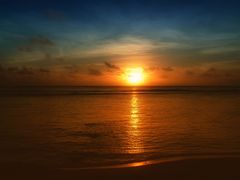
[(76, 42)]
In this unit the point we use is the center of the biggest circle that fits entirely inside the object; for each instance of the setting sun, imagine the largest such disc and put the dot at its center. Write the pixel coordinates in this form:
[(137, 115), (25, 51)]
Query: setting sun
[(134, 76)]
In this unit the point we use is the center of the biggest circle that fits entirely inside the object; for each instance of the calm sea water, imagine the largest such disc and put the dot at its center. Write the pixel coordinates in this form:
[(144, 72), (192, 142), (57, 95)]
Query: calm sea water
[(96, 127)]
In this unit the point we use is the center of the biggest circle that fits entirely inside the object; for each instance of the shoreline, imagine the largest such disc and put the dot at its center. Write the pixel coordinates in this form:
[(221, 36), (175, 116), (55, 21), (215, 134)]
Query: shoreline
[(154, 162), (195, 168)]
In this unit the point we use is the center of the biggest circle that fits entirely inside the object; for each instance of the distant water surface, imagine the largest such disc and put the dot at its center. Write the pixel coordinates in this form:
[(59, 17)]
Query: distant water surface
[(96, 127)]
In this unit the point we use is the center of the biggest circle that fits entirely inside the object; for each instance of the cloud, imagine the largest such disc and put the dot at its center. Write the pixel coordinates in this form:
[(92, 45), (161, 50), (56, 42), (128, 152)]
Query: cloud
[(72, 68), (25, 71), (42, 70), (111, 66), (36, 43), (12, 69), (16, 70), (190, 73), (228, 74), (151, 69), (210, 72), (25, 48), (40, 40), (94, 72), (221, 50), (167, 69)]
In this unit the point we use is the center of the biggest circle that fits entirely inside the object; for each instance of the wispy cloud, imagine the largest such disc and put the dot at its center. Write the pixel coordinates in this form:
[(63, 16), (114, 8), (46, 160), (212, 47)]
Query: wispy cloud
[(43, 70), (210, 72), (94, 72), (36, 43), (25, 71), (112, 66), (16, 70), (167, 69)]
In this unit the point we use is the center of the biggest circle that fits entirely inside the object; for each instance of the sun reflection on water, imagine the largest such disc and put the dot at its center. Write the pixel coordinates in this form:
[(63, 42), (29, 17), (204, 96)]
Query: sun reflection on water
[(134, 111), (135, 138)]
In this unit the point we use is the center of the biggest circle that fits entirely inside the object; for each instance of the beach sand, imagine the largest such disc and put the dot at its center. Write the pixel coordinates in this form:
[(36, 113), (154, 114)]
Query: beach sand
[(194, 169)]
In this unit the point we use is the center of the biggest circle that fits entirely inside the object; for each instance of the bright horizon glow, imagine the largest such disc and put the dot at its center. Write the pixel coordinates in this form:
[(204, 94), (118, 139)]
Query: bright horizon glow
[(134, 76)]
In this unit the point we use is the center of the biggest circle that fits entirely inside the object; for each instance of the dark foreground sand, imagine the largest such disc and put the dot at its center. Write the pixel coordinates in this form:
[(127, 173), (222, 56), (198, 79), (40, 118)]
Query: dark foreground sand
[(194, 169)]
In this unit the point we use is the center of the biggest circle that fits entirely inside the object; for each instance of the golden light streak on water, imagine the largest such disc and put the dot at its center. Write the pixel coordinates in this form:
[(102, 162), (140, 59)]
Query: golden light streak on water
[(135, 135)]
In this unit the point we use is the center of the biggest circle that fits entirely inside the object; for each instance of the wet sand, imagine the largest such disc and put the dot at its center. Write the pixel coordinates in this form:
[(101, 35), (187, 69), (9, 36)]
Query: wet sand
[(204, 169)]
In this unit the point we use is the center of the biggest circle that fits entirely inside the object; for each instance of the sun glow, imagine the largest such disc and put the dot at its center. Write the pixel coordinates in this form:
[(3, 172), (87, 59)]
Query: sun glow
[(134, 76)]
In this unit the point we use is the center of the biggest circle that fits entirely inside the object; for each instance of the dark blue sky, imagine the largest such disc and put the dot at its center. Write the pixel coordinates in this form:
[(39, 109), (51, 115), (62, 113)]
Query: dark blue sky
[(191, 36)]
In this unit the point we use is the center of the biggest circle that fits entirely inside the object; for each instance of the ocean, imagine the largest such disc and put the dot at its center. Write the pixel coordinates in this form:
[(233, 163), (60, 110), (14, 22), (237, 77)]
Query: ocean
[(95, 127)]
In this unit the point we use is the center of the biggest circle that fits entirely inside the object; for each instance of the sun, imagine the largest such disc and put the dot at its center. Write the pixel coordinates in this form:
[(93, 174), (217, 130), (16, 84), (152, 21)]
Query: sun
[(134, 76)]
